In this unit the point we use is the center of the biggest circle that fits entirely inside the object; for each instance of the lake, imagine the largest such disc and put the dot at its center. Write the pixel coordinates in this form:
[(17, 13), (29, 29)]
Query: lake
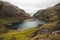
[(30, 23)]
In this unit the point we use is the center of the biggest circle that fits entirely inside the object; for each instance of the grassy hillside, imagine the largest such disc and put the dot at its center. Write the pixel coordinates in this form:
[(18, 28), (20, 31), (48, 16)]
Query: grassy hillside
[(18, 35), (51, 30), (48, 31)]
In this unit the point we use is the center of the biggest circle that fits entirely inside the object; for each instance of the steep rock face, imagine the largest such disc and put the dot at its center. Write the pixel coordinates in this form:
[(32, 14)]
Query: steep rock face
[(49, 14), (11, 14)]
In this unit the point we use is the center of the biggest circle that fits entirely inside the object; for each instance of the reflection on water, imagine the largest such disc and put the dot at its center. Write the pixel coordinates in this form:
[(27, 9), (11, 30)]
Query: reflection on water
[(30, 23)]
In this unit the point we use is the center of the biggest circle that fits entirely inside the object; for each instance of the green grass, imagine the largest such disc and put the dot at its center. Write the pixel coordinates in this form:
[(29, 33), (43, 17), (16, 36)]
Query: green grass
[(18, 35)]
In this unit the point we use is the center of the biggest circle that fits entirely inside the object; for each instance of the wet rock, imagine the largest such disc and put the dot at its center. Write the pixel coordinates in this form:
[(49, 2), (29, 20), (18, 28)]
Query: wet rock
[(56, 32)]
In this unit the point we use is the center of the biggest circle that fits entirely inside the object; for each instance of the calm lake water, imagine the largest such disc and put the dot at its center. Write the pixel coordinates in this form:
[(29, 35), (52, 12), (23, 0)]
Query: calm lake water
[(30, 23)]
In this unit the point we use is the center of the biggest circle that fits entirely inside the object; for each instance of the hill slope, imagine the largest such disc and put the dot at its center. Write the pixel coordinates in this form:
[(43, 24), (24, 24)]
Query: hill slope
[(10, 14), (49, 31)]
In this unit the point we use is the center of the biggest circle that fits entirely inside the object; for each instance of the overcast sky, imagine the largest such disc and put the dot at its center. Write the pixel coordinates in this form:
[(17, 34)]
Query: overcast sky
[(31, 6)]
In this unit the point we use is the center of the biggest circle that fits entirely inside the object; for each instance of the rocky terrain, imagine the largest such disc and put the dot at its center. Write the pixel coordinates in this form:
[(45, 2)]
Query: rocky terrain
[(10, 14), (49, 14), (51, 30)]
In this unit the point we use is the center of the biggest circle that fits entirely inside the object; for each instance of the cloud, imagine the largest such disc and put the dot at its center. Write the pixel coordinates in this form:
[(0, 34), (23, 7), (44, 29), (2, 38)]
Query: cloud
[(31, 6)]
